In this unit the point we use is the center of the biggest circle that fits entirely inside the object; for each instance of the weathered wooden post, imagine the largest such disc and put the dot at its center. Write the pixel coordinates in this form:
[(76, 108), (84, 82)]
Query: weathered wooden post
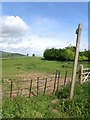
[(37, 85), (80, 74), (78, 32), (30, 88), (58, 80), (65, 78), (11, 89), (45, 86), (55, 81)]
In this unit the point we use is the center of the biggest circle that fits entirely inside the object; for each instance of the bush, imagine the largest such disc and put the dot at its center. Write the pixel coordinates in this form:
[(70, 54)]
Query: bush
[(65, 54), (64, 92)]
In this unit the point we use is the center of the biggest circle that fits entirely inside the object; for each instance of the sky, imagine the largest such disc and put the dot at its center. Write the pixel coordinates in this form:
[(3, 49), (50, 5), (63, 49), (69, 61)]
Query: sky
[(45, 0), (32, 27)]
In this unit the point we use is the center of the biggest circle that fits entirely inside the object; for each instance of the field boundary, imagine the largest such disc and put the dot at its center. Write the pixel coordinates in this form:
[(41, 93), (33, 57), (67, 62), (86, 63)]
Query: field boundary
[(33, 87)]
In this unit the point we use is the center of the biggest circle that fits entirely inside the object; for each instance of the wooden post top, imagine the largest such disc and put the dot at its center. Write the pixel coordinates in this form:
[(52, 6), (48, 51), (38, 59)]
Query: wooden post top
[(79, 29), (80, 26)]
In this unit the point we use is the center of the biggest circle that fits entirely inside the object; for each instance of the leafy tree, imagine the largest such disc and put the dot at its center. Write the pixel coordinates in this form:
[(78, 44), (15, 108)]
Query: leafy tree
[(33, 55), (50, 54), (72, 48), (69, 54), (65, 54)]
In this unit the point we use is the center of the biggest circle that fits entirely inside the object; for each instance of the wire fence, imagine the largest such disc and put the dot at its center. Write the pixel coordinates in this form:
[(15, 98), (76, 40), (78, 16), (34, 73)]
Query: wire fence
[(33, 87)]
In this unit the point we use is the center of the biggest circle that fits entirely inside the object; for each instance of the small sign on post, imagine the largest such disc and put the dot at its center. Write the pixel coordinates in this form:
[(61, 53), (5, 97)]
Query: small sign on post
[(78, 32)]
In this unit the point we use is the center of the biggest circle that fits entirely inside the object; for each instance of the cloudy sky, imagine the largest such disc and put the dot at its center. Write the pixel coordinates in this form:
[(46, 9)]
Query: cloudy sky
[(32, 27)]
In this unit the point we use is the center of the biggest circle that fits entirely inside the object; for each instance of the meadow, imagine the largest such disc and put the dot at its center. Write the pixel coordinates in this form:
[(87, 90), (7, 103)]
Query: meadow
[(35, 66), (57, 105)]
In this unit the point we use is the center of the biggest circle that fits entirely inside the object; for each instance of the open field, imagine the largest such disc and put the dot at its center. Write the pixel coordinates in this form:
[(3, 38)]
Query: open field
[(34, 67), (27, 68), (43, 106)]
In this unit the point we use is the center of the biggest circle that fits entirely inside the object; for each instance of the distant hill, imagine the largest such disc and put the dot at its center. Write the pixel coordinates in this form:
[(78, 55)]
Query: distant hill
[(8, 54)]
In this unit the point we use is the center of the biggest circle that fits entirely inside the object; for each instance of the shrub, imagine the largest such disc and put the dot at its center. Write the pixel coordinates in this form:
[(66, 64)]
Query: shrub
[(64, 92)]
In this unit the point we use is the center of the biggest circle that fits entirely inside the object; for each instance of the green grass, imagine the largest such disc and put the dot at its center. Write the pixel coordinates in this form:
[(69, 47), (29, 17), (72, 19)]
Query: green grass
[(25, 107), (42, 107), (26, 65), (79, 106)]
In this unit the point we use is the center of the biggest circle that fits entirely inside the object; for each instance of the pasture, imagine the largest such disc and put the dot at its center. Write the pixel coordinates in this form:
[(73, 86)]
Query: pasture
[(22, 69), (42, 106), (34, 67)]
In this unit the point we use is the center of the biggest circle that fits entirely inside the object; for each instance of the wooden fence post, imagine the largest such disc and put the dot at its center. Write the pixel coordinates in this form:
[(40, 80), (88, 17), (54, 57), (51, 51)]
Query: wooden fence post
[(30, 88), (58, 80), (80, 74), (37, 85), (65, 78), (11, 89), (78, 32), (55, 82), (45, 86)]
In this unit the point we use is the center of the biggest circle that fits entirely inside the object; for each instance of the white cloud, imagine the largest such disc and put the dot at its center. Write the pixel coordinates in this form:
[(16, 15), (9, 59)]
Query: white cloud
[(43, 33), (34, 44), (13, 27)]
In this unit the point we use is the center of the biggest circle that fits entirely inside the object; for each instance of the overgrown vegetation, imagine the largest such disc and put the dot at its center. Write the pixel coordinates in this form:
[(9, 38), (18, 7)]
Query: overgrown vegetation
[(79, 105), (65, 54), (42, 107)]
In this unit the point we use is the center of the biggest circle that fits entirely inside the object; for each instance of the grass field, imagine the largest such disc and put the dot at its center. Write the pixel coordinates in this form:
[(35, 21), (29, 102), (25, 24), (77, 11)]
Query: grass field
[(43, 106), (35, 66)]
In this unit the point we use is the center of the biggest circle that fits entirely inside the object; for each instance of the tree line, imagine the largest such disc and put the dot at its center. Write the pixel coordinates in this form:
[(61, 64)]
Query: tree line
[(65, 54)]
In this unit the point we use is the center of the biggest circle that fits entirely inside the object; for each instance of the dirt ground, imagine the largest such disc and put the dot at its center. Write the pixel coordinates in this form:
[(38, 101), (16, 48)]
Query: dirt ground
[(21, 85)]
